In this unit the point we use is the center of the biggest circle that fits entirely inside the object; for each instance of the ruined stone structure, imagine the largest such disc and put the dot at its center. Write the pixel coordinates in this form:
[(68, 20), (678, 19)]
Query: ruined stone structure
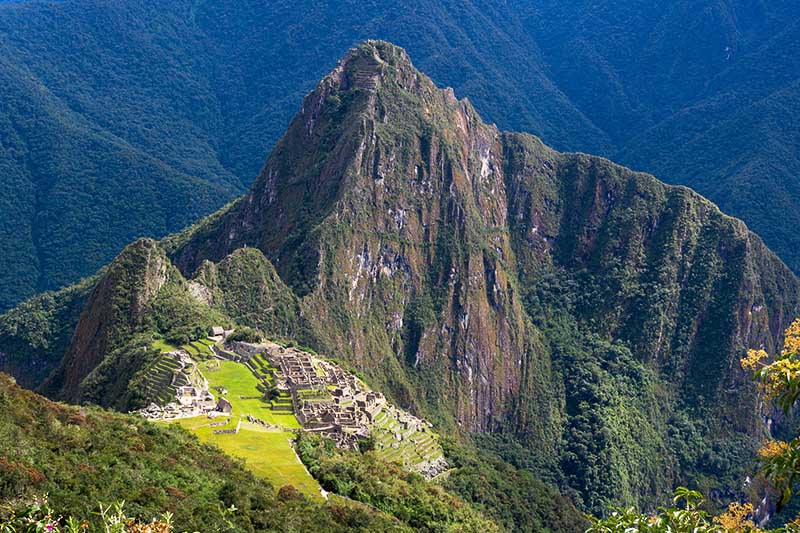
[(333, 402), (324, 398), (192, 397)]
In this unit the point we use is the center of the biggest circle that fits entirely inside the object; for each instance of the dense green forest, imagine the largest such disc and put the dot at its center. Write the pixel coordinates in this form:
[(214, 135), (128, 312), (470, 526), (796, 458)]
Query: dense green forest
[(514, 499), (134, 118), (580, 321), (774, 473)]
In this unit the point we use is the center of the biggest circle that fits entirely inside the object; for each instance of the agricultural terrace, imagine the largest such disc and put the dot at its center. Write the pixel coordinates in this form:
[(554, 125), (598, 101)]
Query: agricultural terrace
[(266, 449), (245, 392), (266, 453)]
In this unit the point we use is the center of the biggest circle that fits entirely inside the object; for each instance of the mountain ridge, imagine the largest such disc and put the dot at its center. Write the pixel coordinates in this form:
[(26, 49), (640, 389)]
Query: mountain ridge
[(484, 281), (187, 99)]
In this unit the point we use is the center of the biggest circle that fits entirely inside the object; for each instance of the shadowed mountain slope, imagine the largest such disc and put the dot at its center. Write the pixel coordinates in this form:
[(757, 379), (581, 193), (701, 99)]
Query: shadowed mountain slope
[(127, 119), (134, 118), (592, 315)]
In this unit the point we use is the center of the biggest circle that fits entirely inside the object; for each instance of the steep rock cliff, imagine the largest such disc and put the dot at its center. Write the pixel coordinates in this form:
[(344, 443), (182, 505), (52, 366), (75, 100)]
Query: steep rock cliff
[(112, 312), (440, 256), (591, 314)]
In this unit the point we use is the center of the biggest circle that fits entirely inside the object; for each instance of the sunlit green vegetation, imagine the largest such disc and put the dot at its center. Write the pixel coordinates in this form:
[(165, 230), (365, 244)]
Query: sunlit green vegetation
[(266, 453), (245, 392), (368, 479), (199, 349), (163, 346), (84, 457)]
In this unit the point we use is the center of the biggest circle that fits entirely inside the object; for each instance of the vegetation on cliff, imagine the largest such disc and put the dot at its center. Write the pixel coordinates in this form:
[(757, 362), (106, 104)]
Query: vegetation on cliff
[(591, 315), (778, 465), (515, 498), (36, 334)]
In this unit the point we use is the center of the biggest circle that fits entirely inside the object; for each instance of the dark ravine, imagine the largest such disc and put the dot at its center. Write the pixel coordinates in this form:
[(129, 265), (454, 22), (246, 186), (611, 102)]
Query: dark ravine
[(483, 280)]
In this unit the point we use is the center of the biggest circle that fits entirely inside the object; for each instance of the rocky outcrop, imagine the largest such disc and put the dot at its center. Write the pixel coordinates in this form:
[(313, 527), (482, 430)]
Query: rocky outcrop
[(417, 237), (413, 231), (246, 287), (112, 312), (486, 282)]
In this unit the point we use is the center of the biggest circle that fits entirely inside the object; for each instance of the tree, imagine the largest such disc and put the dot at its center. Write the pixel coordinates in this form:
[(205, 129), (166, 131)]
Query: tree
[(779, 462)]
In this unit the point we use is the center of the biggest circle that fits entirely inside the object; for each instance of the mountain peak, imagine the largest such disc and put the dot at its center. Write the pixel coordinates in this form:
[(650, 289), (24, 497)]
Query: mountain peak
[(366, 65), (374, 123), (383, 52), (139, 272)]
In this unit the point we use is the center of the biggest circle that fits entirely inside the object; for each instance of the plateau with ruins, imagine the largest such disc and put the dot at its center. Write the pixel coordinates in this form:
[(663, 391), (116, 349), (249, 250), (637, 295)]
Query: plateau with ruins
[(237, 386)]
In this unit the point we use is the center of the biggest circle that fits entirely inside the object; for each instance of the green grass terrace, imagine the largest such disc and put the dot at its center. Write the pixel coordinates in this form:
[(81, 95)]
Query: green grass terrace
[(266, 453), (245, 392)]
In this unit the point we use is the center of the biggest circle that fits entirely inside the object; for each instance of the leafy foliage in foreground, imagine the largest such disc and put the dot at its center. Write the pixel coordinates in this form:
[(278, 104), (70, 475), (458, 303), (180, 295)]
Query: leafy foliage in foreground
[(37, 517), (690, 518), (779, 381)]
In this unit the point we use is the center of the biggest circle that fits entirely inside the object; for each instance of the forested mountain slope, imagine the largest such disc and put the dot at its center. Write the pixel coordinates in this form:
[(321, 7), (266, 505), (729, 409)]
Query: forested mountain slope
[(704, 94), (588, 317), (122, 119), (134, 118), (79, 459)]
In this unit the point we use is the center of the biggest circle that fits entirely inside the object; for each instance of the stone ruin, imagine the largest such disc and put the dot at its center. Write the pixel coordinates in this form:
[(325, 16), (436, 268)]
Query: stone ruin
[(325, 399), (328, 400), (190, 400)]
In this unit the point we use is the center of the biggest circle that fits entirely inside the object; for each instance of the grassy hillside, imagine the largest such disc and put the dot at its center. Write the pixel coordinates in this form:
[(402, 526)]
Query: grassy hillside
[(267, 454), (84, 457), (81, 457)]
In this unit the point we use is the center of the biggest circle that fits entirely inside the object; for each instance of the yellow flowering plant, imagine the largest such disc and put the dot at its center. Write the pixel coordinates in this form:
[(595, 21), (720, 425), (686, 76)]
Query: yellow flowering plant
[(779, 381), (779, 461)]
